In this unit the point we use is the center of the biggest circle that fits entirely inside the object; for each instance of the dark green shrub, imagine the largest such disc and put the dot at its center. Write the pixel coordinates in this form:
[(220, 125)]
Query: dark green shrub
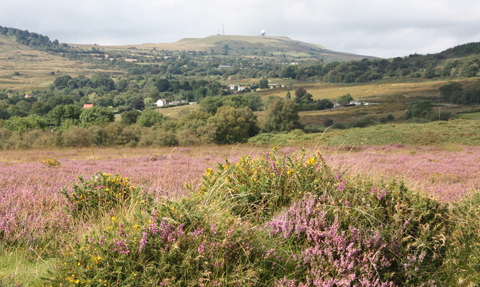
[(339, 126)]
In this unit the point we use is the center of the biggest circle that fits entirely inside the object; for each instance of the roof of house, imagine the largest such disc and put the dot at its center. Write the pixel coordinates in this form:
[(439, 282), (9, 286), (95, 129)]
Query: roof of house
[(87, 106)]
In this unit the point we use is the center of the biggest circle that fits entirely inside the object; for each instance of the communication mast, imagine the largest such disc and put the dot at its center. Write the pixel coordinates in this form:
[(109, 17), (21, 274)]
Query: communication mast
[(263, 33)]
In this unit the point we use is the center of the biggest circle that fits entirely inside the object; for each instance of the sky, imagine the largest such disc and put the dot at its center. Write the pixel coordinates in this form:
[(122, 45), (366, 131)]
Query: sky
[(381, 28)]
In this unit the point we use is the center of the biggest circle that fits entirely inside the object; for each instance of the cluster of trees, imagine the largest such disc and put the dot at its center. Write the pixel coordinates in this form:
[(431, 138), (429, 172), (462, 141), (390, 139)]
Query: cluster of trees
[(62, 116), (456, 93), (306, 102)]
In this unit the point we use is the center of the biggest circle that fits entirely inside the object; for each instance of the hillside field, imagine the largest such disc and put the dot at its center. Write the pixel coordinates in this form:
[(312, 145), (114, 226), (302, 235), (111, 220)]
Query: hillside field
[(37, 69)]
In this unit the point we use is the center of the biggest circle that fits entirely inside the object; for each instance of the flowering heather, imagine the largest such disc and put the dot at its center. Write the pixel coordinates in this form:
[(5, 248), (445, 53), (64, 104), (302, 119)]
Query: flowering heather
[(447, 173), (263, 217), (32, 207)]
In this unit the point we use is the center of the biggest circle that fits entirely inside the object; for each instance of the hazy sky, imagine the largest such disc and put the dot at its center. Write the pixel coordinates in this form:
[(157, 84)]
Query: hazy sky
[(382, 28)]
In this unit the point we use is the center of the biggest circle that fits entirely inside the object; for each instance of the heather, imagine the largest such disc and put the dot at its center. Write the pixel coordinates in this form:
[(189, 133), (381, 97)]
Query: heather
[(241, 217)]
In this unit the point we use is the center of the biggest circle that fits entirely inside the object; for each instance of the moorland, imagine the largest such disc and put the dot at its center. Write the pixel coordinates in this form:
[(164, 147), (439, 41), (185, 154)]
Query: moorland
[(236, 161)]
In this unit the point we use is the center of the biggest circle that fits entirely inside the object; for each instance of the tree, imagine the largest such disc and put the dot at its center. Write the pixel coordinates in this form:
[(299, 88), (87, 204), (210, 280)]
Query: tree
[(449, 89), (163, 85), (263, 84), (345, 99), (130, 117), (14, 111), (40, 108), (211, 104), (23, 106), (254, 101), (3, 111), (23, 124), (104, 102), (62, 82), (299, 92), (193, 129), (150, 118), (288, 96), (233, 125), (282, 115), (96, 116), (419, 110), (289, 72), (61, 113), (138, 104), (103, 81), (60, 100)]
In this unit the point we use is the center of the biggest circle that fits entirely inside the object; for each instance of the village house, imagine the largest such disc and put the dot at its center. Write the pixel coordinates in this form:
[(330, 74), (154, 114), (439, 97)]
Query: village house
[(237, 88), (29, 95), (87, 106), (161, 102), (271, 86), (355, 102)]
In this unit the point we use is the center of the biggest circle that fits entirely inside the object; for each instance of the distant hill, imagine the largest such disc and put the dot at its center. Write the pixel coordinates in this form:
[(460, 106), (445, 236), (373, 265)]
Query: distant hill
[(462, 50), (252, 46)]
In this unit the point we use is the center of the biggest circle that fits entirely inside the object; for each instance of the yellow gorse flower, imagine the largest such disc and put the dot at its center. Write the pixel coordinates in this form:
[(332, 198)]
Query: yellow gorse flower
[(310, 161)]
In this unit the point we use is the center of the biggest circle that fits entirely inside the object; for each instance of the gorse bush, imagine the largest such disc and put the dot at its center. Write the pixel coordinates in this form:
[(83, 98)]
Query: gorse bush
[(101, 193), (167, 248), (50, 162), (256, 188)]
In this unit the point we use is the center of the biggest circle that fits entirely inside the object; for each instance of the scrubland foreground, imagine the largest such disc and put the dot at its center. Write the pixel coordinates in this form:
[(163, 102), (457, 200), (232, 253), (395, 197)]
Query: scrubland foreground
[(240, 216)]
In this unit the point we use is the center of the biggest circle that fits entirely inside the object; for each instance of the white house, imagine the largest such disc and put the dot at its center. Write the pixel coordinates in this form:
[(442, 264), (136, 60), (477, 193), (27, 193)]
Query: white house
[(356, 103), (161, 102)]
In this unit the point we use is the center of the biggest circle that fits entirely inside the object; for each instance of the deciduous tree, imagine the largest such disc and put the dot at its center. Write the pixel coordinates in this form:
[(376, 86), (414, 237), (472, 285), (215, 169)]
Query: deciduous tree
[(282, 115)]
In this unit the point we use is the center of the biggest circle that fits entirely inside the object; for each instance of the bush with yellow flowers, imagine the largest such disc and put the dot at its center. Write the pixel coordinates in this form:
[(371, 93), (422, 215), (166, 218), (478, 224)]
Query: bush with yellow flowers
[(99, 194), (178, 244), (50, 162), (257, 187)]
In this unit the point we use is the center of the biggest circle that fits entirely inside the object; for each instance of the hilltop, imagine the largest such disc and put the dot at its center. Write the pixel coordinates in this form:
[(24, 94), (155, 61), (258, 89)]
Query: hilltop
[(237, 45)]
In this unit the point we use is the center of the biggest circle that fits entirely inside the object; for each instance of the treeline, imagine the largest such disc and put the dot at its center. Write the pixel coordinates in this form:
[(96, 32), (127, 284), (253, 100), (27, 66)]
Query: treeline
[(75, 127), (31, 39), (457, 93)]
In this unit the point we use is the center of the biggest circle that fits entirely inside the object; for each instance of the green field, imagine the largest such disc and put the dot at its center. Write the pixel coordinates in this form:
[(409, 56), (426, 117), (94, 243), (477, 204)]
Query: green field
[(470, 116)]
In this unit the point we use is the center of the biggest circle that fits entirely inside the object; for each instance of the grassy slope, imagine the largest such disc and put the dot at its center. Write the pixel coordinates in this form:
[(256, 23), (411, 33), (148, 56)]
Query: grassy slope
[(35, 66), (461, 131)]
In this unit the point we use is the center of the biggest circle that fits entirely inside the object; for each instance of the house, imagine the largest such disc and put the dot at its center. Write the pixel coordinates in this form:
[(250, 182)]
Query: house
[(224, 66), (271, 86), (161, 102), (237, 88), (29, 95), (336, 105), (87, 106), (355, 102)]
